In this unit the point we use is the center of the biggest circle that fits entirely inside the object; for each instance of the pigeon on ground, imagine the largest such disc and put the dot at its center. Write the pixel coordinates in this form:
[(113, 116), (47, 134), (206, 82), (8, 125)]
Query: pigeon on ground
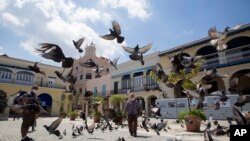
[(55, 53), (115, 33), (78, 44), (36, 69), (136, 53), (207, 136)]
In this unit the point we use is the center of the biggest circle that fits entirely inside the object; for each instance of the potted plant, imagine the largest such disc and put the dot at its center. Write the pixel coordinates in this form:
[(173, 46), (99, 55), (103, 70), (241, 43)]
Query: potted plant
[(183, 71), (192, 119), (72, 115), (97, 116)]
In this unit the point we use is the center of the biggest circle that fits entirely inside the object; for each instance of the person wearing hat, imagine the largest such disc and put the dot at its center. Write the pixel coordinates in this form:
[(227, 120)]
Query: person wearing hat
[(31, 108), (132, 108)]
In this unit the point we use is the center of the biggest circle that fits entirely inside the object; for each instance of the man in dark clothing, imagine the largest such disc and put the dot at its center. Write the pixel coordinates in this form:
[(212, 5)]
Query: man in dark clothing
[(30, 109), (132, 108)]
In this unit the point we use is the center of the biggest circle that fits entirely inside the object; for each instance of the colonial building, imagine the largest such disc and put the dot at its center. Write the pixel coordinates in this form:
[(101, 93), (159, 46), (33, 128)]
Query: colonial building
[(132, 76), (16, 77), (83, 74), (233, 62)]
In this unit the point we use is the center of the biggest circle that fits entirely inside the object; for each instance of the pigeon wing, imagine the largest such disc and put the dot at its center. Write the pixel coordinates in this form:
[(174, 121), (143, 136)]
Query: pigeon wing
[(55, 124), (116, 27), (145, 48), (128, 49), (55, 53), (115, 60), (108, 37), (79, 42), (239, 118)]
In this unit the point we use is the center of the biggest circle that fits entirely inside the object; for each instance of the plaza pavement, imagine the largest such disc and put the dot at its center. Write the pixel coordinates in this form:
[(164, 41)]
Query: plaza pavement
[(10, 131)]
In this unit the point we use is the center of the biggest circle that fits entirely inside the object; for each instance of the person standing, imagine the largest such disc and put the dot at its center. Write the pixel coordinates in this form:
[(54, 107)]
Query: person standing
[(132, 108), (30, 109)]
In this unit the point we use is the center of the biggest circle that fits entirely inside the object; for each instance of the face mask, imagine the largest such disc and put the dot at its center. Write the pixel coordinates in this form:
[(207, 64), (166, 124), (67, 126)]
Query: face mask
[(35, 91)]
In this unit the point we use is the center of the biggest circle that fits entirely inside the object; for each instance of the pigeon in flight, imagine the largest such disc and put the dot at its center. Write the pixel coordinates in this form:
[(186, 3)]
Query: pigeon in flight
[(78, 44), (189, 61), (218, 38), (158, 70), (55, 53), (115, 33), (137, 53), (98, 70), (52, 128), (36, 69), (214, 73), (239, 117), (114, 62), (69, 79), (88, 64)]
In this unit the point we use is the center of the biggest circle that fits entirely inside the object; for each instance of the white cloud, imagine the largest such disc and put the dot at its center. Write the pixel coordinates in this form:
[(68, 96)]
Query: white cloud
[(135, 8), (10, 18), (3, 4), (59, 22)]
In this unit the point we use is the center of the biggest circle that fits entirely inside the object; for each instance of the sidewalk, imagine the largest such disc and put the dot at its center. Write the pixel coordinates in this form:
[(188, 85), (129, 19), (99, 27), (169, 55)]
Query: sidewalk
[(10, 131)]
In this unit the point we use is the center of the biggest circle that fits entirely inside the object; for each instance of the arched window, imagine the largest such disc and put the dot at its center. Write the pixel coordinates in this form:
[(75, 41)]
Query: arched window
[(126, 84), (138, 80), (150, 82), (210, 54), (25, 76), (5, 73)]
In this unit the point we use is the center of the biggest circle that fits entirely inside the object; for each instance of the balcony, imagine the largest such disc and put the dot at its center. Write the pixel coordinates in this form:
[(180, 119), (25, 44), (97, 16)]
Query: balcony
[(239, 55), (147, 87), (30, 83)]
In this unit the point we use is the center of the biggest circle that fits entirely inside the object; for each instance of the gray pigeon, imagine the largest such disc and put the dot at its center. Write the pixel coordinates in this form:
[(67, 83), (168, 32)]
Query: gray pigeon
[(78, 44), (115, 33)]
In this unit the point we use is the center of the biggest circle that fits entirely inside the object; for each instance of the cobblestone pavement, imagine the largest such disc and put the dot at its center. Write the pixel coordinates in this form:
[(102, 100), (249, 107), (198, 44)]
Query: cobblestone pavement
[(10, 131)]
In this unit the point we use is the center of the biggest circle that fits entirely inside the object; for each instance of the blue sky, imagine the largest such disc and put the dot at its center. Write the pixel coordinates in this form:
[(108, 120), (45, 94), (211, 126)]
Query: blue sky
[(166, 23)]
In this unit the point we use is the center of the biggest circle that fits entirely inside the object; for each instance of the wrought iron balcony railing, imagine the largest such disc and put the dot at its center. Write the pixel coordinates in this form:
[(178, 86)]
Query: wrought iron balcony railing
[(146, 87), (239, 55)]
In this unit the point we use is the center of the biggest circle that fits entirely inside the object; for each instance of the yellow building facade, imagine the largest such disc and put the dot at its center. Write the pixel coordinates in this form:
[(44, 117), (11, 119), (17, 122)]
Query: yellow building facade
[(234, 61), (16, 77)]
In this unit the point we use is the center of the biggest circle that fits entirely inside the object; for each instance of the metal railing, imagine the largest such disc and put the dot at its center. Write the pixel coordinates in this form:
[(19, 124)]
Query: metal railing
[(239, 55), (30, 83), (146, 87)]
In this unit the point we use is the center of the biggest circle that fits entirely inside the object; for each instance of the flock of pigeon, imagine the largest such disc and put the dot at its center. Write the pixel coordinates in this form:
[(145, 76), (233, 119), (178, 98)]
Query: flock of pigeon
[(105, 124), (179, 62), (54, 52)]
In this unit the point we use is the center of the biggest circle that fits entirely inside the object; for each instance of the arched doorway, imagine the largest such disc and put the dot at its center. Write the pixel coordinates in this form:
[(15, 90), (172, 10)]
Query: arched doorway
[(217, 83), (46, 102), (243, 80), (3, 101), (151, 103)]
